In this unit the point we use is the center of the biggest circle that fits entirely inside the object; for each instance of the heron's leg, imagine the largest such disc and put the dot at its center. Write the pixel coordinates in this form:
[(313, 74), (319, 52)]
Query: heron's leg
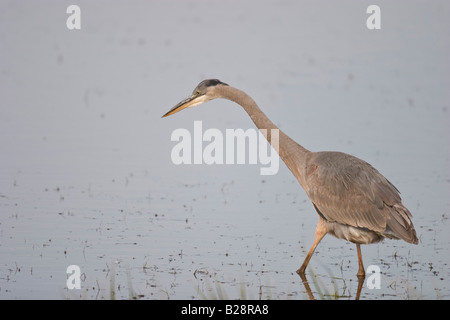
[(361, 271), (321, 231), (360, 285)]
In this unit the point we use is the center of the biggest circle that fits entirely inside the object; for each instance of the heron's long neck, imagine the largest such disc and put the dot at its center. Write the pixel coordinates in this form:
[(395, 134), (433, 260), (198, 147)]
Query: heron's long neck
[(293, 154)]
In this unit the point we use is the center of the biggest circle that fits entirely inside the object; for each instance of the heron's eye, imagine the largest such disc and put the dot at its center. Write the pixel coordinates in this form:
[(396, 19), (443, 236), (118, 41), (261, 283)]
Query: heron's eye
[(197, 93)]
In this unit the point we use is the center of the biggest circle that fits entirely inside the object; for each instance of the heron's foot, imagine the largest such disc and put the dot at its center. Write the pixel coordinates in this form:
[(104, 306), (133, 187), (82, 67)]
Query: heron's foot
[(301, 271)]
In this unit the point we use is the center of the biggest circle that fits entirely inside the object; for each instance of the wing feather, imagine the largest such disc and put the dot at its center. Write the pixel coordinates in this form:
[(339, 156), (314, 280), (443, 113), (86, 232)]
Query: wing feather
[(349, 191)]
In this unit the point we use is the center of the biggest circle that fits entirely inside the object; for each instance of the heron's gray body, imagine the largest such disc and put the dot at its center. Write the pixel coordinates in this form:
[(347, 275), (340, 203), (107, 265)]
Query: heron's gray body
[(353, 200), (357, 203)]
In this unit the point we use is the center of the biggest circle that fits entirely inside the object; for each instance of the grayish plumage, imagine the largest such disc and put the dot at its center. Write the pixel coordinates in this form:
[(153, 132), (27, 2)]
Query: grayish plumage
[(353, 200)]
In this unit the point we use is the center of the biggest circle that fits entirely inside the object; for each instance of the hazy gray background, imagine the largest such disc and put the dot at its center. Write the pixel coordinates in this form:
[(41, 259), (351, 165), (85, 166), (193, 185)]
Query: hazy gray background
[(85, 170)]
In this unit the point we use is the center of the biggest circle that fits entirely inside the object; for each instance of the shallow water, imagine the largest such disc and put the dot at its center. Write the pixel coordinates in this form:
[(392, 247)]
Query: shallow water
[(86, 174)]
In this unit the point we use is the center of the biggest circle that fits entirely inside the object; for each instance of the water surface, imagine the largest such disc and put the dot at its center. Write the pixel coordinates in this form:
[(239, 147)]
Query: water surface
[(86, 174)]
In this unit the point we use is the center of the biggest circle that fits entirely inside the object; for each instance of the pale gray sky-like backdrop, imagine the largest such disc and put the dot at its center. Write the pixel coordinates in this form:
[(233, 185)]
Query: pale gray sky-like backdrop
[(86, 176)]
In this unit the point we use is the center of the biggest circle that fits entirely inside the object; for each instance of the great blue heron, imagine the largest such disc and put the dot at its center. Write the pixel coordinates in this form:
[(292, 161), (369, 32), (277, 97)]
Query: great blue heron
[(353, 200)]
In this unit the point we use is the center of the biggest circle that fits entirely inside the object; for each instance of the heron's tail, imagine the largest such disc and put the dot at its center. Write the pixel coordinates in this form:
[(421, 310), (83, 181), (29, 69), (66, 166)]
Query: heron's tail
[(400, 224)]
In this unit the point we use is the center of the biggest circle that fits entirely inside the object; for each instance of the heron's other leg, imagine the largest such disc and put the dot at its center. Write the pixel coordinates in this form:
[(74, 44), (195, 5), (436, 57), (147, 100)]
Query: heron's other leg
[(361, 271), (321, 231)]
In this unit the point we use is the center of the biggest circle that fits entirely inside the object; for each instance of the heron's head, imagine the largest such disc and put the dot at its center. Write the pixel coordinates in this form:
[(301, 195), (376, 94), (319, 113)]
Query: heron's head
[(205, 91)]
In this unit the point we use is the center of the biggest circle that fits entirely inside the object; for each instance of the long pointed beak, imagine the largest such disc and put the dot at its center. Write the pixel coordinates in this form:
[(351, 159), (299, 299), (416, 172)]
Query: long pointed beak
[(186, 103)]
